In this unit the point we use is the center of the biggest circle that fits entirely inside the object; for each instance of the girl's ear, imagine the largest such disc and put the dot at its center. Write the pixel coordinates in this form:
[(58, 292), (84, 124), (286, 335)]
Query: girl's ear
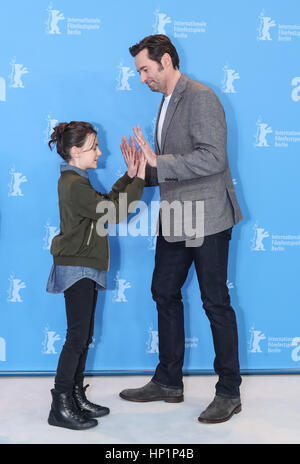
[(74, 152)]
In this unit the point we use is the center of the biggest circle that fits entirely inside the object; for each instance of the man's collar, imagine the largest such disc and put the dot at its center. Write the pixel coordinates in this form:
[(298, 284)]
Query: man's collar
[(181, 84)]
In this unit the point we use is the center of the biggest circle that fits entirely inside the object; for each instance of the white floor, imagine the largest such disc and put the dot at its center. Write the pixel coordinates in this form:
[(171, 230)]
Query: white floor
[(270, 414)]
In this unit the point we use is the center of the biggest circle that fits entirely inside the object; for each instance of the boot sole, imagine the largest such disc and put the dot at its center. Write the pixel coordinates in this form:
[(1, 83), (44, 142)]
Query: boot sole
[(94, 415), (219, 421), (173, 399), (53, 421)]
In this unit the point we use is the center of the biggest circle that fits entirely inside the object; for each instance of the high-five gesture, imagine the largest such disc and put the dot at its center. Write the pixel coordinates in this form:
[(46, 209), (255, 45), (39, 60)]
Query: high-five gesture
[(134, 159), (130, 155), (145, 147)]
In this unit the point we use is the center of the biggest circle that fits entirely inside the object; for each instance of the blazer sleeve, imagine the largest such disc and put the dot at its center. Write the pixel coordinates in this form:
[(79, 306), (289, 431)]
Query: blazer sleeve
[(151, 179), (207, 130)]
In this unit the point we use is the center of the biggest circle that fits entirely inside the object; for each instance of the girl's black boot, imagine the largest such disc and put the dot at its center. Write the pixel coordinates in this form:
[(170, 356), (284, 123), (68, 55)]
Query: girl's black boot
[(64, 413), (90, 409)]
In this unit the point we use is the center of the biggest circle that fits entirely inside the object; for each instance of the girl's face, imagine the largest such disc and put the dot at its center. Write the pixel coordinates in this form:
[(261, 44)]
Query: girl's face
[(86, 157)]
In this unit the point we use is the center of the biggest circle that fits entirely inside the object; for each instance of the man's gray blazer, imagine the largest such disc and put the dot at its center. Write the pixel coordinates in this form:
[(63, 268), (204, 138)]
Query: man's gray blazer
[(193, 162)]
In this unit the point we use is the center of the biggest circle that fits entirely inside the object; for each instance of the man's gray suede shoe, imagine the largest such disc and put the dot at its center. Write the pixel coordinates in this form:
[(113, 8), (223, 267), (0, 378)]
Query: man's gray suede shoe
[(221, 409), (153, 392)]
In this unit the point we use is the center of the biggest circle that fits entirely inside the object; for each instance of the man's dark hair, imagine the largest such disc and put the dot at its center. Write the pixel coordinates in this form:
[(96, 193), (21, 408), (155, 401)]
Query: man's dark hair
[(157, 45)]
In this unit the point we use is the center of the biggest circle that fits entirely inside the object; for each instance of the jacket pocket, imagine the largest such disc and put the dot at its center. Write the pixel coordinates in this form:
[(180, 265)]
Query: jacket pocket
[(206, 194)]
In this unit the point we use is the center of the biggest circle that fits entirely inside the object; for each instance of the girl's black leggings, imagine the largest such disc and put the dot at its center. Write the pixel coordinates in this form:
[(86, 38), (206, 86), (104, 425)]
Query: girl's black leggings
[(80, 300)]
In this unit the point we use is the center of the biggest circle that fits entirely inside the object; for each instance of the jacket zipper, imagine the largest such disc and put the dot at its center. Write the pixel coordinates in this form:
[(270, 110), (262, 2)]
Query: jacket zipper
[(90, 234), (108, 252)]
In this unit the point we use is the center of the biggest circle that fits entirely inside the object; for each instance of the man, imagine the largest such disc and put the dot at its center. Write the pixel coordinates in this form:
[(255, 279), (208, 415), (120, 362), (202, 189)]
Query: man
[(190, 164)]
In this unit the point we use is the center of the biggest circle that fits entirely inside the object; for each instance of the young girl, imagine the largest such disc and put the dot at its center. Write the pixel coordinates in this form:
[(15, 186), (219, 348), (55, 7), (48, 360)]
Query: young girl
[(81, 259)]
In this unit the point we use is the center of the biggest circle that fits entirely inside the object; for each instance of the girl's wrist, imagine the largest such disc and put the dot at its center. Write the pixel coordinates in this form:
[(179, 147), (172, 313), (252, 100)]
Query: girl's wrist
[(130, 174)]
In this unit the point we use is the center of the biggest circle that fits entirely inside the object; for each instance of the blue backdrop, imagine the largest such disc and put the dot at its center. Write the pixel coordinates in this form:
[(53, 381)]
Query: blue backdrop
[(68, 60)]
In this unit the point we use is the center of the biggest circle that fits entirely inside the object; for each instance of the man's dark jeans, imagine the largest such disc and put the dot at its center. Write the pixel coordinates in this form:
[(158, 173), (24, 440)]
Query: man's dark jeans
[(172, 263)]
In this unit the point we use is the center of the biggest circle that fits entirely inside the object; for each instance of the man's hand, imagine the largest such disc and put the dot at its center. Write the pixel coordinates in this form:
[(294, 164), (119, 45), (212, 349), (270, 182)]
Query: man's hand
[(145, 147), (141, 172)]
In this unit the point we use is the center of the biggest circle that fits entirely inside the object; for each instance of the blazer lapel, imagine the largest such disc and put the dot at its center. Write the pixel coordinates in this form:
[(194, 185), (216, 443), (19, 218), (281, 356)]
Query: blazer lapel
[(176, 97), (157, 148)]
